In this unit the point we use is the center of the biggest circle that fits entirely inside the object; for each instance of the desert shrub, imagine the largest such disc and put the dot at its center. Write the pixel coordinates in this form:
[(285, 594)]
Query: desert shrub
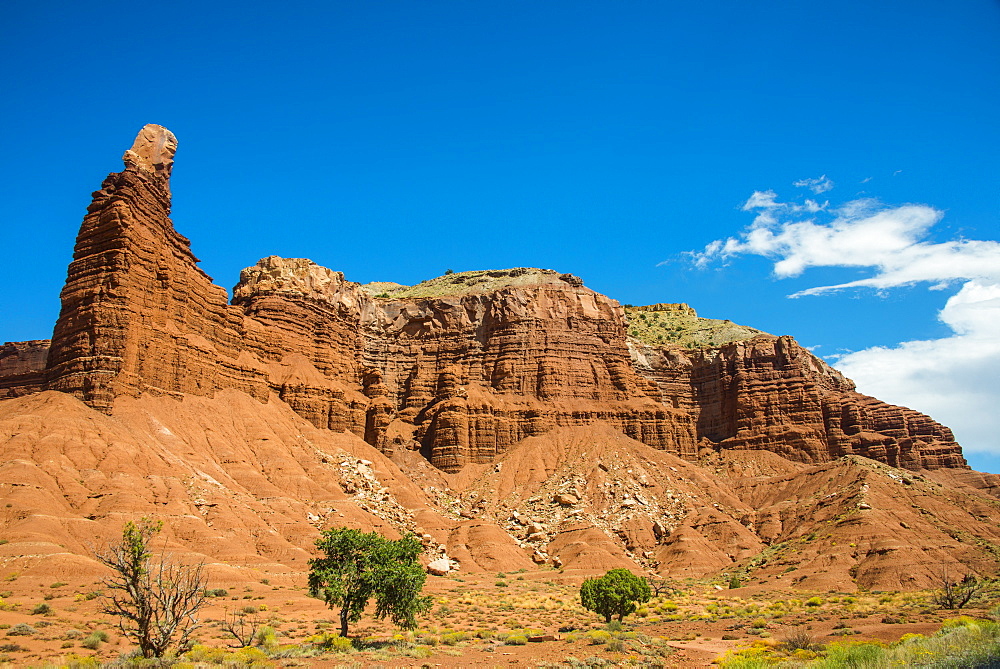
[(616, 646), (41, 609), (799, 640), (332, 642), (759, 655), (453, 638), (758, 623), (599, 637), (216, 592), (516, 640), (964, 643), (814, 601), (852, 654), (21, 629), (74, 661), (93, 642), (614, 626), (961, 621), (266, 637)]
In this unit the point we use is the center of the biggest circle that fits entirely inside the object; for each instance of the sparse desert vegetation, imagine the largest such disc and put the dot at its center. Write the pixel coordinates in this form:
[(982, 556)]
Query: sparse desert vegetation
[(536, 619)]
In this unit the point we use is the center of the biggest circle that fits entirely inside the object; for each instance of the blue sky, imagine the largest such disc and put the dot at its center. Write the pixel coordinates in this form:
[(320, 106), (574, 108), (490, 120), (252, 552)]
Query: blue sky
[(613, 140)]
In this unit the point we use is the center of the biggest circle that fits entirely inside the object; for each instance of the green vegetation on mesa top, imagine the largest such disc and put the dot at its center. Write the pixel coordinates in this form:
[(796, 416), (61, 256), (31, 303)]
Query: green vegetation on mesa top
[(467, 283), (679, 325)]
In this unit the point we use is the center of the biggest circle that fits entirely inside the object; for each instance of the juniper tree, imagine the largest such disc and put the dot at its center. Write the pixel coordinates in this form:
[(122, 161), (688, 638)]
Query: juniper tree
[(615, 593), (358, 566)]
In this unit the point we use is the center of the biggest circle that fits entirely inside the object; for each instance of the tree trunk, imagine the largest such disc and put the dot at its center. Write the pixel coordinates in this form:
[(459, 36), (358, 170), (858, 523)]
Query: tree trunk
[(343, 621), (607, 618)]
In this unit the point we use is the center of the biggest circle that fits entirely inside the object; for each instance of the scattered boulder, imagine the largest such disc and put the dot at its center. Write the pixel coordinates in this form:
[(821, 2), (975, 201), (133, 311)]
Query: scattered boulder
[(439, 567), (565, 499)]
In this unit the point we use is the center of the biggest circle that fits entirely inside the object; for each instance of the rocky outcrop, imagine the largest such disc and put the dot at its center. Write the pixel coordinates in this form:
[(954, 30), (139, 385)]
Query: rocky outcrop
[(461, 367), (769, 393), (138, 315), (507, 355), (22, 367)]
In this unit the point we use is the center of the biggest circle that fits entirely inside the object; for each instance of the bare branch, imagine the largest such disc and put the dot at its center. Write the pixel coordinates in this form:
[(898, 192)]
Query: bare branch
[(155, 600)]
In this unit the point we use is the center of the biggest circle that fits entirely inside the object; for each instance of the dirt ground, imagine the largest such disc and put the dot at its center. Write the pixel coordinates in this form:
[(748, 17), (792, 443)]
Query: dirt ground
[(689, 627)]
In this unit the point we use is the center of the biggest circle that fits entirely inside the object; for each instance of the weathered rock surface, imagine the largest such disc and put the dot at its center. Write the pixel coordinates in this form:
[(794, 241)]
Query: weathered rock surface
[(505, 416), (22, 367), (769, 393), (462, 366)]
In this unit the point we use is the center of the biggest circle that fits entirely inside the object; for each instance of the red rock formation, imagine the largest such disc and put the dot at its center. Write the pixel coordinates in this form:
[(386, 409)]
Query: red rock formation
[(22, 367), (471, 373), (769, 393), (138, 315), (465, 369)]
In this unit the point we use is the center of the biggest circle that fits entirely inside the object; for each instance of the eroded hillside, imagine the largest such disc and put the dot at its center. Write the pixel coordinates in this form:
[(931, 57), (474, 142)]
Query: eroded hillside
[(510, 417)]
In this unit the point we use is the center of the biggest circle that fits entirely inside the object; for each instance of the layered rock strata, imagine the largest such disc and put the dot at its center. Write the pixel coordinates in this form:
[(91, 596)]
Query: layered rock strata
[(769, 393), (22, 367), (461, 367)]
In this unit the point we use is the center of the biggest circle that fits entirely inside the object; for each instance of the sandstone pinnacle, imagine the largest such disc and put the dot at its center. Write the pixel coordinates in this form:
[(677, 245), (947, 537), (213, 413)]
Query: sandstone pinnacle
[(153, 150)]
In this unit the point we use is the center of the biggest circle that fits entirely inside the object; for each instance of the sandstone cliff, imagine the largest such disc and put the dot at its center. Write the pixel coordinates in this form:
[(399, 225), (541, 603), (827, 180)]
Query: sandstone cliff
[(509, 418), (22, 367), (461, 367)]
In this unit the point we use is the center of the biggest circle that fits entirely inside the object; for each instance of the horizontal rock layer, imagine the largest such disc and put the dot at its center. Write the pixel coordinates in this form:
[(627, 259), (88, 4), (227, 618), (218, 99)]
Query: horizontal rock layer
[(22, 367), (460, 368)]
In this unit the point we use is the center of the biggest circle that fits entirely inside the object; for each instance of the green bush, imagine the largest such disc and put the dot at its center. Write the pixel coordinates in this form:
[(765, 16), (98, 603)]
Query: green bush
[(41, 609), (516, 640), (92, 642), (453, 638), (853, 654), (599, 637)]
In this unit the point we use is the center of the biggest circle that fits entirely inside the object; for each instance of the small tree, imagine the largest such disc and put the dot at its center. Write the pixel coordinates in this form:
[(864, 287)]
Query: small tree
[(357, 566), (155, 600), (244, 627), (956, 593), (615, 593), (660, 586)]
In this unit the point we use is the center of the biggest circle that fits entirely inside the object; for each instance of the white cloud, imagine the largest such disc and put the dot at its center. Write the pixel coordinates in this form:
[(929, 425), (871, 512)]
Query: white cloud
[(818, 185), (955, 379)]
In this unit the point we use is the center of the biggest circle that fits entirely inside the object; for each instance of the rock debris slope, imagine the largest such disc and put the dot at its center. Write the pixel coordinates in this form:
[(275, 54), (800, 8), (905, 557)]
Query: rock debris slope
[(509, 417)]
